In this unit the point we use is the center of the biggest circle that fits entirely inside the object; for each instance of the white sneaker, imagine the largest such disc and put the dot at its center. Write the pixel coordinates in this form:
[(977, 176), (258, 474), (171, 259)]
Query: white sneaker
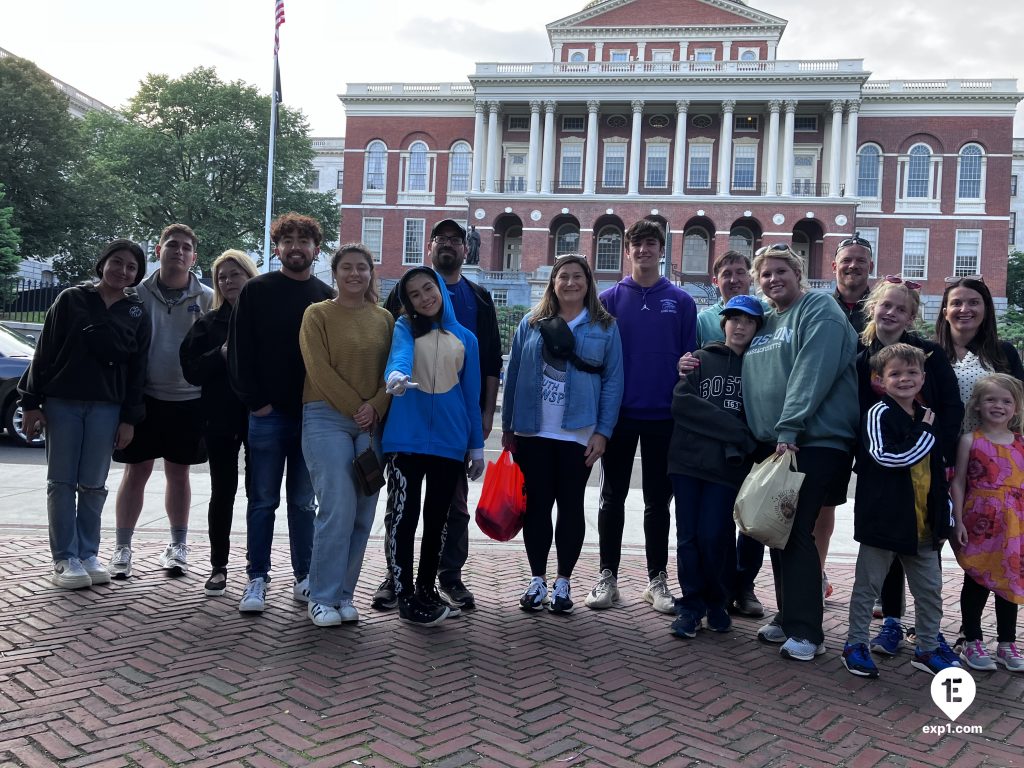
[(323, 615), (174, 559), (254, 599), (658, 594), (301, 590), (349, 614), (97, 573), (605, 593), (69, 574), (120, 565)]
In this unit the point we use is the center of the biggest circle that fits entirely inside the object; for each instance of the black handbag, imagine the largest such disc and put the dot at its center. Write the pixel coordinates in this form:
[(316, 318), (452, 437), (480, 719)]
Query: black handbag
[(561, 343), (368, 471)]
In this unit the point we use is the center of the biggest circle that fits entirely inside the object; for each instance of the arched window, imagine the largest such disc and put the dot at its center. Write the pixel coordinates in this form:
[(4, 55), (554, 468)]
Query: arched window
[(919, 171), (609, 249), (578, 57), (567, 240), (460, 163), (695, 251), (748, 56), (741, 239), (376, 166), (968, 184), (868, 167), (417, 167)]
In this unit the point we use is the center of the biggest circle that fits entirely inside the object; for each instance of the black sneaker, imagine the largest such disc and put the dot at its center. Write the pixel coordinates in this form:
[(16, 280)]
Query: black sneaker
[(561, 599), (384, 599), (456, 595), (747, 604), (217, 584), (430, 596), (415, 611)]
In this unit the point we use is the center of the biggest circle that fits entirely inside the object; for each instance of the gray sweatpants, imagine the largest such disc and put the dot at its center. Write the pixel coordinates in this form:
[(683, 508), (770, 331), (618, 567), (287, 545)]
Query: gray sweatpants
[(924, 575)]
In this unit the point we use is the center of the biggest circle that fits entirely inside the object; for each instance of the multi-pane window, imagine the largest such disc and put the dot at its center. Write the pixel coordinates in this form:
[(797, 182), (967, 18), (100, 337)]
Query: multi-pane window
[(741, 239), (499, 297), (695, 251), (460, 161), (341, 179), (573, 123), (567, 240), (871, 235), (376, 166), (1013, 227), (868, 166), (609, 250), (745, 123), (619, 56), (915, 253), (969, 183), (570, 173), (417, 168), (412, 248), (1013, 186), (967, 255), (656, 168), (919, 171), (614, 165), (744, 168), (519, 122), (699, 166), (313, 179), (805, 123), (373, 236)]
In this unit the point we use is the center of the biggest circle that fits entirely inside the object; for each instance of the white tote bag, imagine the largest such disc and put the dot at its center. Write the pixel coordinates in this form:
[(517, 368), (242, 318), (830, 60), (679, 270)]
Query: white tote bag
[(766, 503)]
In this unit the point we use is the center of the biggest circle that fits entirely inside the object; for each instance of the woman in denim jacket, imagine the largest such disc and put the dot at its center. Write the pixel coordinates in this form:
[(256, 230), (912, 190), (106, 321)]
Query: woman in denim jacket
[(557, 415)]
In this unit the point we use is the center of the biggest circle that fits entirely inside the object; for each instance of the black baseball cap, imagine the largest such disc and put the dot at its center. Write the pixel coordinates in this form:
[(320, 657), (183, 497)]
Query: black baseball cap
[(448, 223)]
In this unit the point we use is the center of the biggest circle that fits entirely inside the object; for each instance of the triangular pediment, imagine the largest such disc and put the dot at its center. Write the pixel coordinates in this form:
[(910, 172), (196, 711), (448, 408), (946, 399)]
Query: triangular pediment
[(666, 13)]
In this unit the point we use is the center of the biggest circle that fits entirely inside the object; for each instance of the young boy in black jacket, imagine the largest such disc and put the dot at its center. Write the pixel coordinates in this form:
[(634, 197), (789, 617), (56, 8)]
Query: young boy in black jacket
[(902, 510), (707, 460)]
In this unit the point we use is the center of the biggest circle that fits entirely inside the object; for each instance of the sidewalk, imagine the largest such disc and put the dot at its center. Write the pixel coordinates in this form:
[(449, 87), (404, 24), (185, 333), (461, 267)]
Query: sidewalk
[(150, 672)]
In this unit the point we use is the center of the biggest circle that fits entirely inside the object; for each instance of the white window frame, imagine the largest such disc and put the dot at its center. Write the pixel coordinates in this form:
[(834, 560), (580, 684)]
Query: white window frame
[(971, 204), (373, 240), (871, 235), (341, 179), (454, 153), (932, 201), (412, 253), (745, 50), (604, 266), (915, 271), (582, 52), (663, 146), (659, 55), (582, 123), (522, 126), (558, 234), (963, 237), (577, 152), (705, 145), (749, 149), (871, 202), (508, 151), (616, 149), (704, 55), (799, 117), (705, 267), (419, 147), (747, 246), (622, 53), (499, 297), (375, 194), (746, 123)]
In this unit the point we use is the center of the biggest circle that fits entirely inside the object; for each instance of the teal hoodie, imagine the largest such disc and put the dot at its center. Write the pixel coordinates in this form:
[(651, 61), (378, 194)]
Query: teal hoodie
[(800, 376)]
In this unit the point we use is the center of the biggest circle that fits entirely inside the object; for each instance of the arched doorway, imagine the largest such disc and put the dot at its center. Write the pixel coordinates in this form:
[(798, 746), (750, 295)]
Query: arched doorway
[(697, 249), (744, 236), (607, 252), (807, 241), (565, 237), (508, 234)]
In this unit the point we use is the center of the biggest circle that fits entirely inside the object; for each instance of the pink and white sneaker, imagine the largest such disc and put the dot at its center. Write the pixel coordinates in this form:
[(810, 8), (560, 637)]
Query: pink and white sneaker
[(1008, 655)]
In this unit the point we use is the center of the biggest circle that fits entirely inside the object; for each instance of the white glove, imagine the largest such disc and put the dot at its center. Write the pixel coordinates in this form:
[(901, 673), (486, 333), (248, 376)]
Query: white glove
[(475, 469), (398, 382)]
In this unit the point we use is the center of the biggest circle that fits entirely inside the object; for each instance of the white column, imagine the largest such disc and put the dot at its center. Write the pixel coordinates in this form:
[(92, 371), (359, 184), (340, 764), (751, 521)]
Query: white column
[(534, 156), (727, 50), (772, 45), (548, 166), (640, 48), (725, 149), (683, 50), (853, 109), (493, 145), (634, 147), (598, 51), (771, 177), (787, 149), (479, 147), (556, 51), (679, 153), (590, 169), (835, 150)]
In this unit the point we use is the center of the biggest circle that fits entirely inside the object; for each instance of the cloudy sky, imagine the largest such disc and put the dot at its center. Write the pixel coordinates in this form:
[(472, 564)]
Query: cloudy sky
[(105, 47)]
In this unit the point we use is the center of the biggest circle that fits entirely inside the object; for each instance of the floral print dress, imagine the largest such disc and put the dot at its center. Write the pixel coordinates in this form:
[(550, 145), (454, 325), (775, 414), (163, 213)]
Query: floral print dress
[(994, 517)]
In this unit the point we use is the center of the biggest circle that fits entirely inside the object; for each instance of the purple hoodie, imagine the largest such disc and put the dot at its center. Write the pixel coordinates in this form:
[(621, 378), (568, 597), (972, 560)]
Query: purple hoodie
[(657, 325)]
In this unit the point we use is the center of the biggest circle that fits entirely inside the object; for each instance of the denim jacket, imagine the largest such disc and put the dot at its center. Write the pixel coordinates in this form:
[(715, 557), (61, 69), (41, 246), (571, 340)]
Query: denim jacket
[(592, 399)]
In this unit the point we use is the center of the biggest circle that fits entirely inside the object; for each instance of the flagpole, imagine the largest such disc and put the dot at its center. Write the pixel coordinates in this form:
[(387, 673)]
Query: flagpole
[(274, 97)]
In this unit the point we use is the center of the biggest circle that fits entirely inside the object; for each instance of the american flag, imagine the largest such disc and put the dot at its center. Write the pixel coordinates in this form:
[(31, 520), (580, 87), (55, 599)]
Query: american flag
[(278, 21)]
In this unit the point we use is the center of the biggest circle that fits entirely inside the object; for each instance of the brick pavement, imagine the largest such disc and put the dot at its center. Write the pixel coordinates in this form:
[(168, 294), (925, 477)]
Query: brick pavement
[(152, 673)]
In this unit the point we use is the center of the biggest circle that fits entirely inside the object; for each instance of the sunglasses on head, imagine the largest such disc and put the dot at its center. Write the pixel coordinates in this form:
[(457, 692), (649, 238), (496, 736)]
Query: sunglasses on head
[(958, 278), (855, 240), (775, 248), (898, 280)]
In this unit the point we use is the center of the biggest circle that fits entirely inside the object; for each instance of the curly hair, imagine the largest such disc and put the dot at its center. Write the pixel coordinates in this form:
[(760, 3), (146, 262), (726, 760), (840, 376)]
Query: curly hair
[(293, 223)]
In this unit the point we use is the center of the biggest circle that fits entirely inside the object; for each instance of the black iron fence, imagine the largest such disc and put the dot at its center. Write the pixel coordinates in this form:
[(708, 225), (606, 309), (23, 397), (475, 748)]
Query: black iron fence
[(26, 301)]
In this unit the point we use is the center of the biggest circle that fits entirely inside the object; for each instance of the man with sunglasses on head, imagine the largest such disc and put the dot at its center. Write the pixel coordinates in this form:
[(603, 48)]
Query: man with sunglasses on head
[(474, 309)]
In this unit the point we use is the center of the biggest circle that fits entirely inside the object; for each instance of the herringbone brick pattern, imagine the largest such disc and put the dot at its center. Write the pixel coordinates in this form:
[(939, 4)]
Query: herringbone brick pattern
[(152, 673)]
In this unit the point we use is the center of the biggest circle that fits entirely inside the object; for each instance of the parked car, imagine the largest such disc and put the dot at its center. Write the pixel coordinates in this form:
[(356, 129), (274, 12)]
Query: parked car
[(16, 350)]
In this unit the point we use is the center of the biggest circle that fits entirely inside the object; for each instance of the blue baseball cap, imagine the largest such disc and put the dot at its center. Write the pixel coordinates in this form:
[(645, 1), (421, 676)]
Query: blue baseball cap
[(748, 305)]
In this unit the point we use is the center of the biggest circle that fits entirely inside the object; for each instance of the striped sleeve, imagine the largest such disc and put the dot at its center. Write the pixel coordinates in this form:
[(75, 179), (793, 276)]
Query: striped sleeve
[(890, 452)]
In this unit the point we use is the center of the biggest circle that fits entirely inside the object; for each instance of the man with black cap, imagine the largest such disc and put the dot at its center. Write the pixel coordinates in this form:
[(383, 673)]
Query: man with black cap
[(474, 309)]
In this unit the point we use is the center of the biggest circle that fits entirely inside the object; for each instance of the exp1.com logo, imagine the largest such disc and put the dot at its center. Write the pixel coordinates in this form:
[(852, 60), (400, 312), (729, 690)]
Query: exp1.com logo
[(953, 692)]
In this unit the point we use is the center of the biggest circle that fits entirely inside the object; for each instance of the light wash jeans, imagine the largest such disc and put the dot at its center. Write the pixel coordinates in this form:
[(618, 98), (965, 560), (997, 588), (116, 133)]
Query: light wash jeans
[(79, 442), (330, 441)]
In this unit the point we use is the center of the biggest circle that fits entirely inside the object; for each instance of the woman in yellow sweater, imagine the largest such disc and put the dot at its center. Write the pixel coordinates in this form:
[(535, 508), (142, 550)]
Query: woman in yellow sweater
[(345, 343)]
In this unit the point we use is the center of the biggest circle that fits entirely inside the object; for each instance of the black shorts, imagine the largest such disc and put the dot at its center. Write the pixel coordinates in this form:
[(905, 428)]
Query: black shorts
[(835, 493), (171, 430)]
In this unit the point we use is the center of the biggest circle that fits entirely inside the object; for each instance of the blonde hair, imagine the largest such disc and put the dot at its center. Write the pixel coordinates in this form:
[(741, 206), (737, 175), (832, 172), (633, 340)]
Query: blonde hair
[(244, 263), (548, 304), (877, 295), (788, 255), (985, 385)]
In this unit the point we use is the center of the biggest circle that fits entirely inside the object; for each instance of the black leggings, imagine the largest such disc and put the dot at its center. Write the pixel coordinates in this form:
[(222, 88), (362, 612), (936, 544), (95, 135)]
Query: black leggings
[(973, 598), (222, 450), (554, 471)]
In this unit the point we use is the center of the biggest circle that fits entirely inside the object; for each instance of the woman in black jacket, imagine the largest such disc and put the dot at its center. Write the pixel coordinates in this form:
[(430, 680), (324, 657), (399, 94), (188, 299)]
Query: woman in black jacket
[(85, 386), (225, 418)]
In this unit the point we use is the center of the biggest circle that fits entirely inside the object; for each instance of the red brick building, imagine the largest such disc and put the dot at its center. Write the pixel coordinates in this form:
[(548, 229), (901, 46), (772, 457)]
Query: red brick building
[(680, 110)]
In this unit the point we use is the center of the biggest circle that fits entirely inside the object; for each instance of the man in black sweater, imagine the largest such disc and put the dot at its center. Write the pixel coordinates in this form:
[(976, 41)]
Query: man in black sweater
[(267, 372)]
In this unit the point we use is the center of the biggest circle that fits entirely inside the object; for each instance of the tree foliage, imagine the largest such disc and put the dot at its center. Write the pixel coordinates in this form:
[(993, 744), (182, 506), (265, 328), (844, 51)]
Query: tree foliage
[(1015, 279), (10, 240)]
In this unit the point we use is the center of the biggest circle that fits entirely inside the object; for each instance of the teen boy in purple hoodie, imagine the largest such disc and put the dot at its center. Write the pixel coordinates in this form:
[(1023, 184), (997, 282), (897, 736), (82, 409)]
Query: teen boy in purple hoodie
[(658, 324)]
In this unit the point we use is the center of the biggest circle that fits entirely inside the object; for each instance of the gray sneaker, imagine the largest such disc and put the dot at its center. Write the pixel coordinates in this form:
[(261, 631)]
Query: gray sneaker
[(174, 559), (605, 593), (658, 594), (69, 574), (801, 650), (120, 565), (254, 599), (771, 633)]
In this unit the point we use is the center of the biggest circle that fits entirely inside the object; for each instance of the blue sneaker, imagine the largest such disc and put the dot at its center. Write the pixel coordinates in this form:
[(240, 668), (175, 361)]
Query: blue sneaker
[(936, 660), (535, 596), (798, 649), (561, 602), (687, 624), (890, 638), (857, 660)]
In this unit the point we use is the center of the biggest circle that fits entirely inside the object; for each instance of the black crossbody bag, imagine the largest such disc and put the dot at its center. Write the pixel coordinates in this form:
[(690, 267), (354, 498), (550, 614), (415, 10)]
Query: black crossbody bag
[(560, 342), (369, 473)]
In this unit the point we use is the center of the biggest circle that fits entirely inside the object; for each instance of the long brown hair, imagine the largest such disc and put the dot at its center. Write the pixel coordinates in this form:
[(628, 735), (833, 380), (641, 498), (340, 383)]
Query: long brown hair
[(370, 294), (548, 304), (985, 343)]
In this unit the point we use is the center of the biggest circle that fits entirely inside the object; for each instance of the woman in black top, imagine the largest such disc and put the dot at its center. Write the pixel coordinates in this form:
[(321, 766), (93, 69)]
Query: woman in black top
[(85, 387), (225, 418)]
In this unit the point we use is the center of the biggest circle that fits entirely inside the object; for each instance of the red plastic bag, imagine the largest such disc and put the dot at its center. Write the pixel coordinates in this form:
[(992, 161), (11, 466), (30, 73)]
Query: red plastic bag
[(502, 507)]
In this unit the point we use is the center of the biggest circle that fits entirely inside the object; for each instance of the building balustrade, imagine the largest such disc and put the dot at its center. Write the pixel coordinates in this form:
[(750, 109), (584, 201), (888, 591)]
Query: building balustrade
[(518, 186), (547, 68)]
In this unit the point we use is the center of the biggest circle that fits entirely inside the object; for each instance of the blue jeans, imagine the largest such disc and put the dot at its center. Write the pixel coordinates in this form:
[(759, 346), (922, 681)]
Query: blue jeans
[(330, 441), (79, 442), (704, 531), (276, 439)]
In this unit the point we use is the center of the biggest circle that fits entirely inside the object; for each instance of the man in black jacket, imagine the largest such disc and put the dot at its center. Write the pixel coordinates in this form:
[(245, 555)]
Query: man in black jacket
[(474, 310)]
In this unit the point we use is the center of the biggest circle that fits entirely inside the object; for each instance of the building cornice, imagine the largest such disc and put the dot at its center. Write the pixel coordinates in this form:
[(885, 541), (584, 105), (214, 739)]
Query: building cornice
[(599, 9), (667, 34)]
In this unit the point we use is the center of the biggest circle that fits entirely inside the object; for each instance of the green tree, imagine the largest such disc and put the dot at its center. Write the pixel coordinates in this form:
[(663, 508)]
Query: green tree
[(10, 241), (194, 150), (1015, 279), (39, 143)]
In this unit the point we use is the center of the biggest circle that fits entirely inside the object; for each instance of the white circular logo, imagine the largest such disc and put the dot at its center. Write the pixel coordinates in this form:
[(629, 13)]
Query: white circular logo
[(778, 219), (479, 213), (535, 215), (841, 220), (953, 691)]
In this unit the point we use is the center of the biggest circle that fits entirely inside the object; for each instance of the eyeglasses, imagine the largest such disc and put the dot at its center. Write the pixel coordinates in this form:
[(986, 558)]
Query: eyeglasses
[(776, 248), (444, 240), (855, 240), (897, 280), (958, 278)]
